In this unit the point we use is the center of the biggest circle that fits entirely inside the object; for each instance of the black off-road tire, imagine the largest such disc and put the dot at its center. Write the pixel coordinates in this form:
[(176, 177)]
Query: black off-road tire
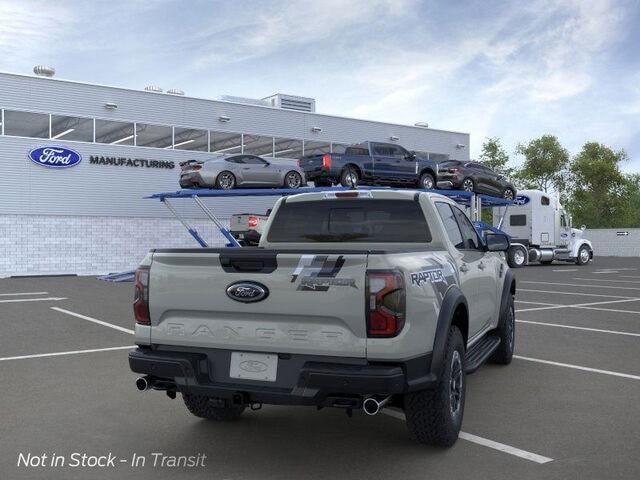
[(209, 408), (427, 179), (507, 332), (344, 177), (430, 416)]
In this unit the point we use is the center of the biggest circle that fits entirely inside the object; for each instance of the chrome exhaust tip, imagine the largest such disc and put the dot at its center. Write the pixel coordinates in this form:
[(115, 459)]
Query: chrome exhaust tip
[(371, 406), (143, 384)]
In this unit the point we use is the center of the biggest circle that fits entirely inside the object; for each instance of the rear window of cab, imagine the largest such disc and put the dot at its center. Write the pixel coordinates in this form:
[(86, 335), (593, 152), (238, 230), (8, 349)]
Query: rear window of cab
[(350, 220)]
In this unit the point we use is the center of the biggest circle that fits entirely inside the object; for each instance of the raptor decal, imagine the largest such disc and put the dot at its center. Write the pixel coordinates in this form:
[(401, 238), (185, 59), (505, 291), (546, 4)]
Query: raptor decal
[(318, 273), (439, 272)]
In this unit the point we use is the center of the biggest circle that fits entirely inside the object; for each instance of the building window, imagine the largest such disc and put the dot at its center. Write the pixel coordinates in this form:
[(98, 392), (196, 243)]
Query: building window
[(157, 136), (338, 147), (226, 143), (257, 145), (316, 148), (190, 139), (71, 128), (114, 133), (287, 148), (26, 124)]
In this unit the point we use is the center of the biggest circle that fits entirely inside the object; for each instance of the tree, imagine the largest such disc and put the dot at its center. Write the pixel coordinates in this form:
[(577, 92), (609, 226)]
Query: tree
[(601, 195), (495, 157), (545, 164)]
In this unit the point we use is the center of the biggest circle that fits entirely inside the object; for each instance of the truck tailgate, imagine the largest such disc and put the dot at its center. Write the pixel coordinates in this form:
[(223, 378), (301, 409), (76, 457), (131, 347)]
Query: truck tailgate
[(314, 302)]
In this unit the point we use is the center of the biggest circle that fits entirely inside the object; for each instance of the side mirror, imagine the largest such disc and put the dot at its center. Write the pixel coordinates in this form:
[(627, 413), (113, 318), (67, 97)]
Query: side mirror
[(496, 242), (410, 156), (583, 227)]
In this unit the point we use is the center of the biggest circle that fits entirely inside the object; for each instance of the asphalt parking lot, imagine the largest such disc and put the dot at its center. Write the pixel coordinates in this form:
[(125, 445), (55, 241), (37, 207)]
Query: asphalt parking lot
[(567, 407)]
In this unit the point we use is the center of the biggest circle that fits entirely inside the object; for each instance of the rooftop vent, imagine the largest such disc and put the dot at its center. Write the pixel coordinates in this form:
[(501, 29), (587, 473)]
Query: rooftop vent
[(175, 91), (153, 88), (44, 71), (292, 102)]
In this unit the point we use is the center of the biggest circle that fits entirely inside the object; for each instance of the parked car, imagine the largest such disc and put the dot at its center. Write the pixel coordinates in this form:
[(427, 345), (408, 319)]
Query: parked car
[(354, 299), (371, 163), (231, 171), (474, 177)]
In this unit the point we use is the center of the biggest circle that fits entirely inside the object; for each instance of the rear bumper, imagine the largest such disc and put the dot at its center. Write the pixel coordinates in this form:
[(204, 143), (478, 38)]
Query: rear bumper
[(301, 379), (190, 180)]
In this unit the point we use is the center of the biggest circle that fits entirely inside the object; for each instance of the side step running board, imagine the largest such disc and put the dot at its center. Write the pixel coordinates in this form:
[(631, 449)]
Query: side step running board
[(480, 351)]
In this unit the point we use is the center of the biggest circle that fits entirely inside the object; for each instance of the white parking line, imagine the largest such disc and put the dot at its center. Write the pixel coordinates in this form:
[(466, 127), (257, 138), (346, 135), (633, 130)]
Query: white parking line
[(573, 327), (485, 442), (47, 299), (581, 285), (23, 293), (94, 320), (610, 310), (576, 293), (579, 367), (73, 352), (606, 280), (540, 303), (629, 276), (579, 305), (566, 270)]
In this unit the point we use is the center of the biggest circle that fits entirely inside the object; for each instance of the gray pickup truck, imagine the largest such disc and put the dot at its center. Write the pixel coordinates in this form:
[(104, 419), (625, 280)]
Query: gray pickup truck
[(360, 299)]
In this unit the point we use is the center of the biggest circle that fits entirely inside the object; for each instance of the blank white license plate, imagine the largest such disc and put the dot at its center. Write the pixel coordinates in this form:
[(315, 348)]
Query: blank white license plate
[(254, 366)]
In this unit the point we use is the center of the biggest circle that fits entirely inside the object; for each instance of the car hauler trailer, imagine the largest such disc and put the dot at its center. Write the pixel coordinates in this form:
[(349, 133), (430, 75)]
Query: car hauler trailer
[(540, 230)]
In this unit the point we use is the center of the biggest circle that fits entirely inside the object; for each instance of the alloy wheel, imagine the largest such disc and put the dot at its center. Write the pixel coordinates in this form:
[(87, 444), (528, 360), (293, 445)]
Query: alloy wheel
[(455, 383), (226, 181), (508, 194), (467, 185), (293, 180)]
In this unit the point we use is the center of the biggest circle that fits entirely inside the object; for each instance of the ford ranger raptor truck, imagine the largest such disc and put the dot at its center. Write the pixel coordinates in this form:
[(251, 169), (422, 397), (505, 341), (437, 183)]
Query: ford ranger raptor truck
[(356, 300)]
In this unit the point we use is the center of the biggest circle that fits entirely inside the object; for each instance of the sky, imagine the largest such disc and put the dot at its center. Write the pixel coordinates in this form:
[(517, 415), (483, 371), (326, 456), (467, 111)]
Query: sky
[(509, 69)]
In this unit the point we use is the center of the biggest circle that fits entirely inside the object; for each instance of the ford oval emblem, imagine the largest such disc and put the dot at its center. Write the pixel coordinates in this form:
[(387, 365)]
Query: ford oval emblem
[(253, 366), (247, 292), (55, 157), (521, 200)]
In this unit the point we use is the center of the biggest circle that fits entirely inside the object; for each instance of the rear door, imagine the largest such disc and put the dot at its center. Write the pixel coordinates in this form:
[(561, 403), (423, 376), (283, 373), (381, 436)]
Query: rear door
[(477, 280), (314, 303)]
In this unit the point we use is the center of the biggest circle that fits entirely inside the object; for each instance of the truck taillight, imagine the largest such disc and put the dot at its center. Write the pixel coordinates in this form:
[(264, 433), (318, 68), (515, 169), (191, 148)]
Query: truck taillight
[(326, 161), (141, 297), (386, 303)]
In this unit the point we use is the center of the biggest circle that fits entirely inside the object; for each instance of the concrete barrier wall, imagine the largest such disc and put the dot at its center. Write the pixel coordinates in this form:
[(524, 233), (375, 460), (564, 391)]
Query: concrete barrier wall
[(620, 242)]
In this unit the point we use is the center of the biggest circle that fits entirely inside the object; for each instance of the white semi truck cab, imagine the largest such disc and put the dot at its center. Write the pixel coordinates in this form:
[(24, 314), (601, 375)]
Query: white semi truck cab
[(540, 230)]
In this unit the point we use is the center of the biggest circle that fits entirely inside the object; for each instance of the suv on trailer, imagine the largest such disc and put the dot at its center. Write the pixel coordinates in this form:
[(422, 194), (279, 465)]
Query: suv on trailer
[(353, 299)]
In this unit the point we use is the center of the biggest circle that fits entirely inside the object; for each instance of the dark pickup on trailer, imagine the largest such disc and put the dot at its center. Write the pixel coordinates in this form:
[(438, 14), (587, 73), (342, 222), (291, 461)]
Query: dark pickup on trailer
[(371, 163)]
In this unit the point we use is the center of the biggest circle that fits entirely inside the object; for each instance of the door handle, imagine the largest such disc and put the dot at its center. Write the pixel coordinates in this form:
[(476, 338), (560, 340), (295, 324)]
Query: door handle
[(464, 268), (246, 168), (481, 266)]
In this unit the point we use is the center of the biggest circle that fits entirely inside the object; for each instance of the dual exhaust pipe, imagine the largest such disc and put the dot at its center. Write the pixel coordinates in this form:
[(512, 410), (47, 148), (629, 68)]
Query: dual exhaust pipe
[(372, 405)]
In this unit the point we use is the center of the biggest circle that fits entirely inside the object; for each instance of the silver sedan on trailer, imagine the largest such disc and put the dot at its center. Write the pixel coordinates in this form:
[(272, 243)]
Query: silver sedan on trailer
[(241, 170)]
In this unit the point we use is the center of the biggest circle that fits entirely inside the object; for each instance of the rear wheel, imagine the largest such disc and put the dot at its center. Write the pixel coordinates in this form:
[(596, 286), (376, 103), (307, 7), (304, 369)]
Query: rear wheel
[(293, 179), (211, 408), (349, 177), (426, 181), (226, 180), (434, 415), (468, 185), (584, 255), (507, 332)]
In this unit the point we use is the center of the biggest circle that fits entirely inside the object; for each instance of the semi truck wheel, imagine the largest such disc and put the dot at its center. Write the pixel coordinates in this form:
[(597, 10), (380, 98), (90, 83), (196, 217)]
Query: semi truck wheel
[(583, 255), (507, 332), (516, 256), (434, 416), (211, 408)]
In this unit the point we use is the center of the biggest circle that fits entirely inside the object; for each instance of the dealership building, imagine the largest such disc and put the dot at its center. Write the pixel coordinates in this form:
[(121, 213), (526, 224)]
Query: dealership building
[(92, 217)]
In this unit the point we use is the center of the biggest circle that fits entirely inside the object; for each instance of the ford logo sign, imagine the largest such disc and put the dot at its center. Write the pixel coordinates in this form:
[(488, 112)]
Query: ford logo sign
[(247, 292), (55, 157), (253, 366), (521, 200)]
